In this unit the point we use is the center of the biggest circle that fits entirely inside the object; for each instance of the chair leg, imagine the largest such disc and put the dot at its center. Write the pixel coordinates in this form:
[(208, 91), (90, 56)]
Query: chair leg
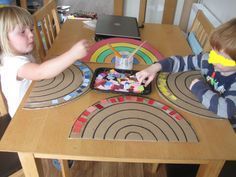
[(211, 169), (64, 168), (19, 173), (154, 167), (30, 165)]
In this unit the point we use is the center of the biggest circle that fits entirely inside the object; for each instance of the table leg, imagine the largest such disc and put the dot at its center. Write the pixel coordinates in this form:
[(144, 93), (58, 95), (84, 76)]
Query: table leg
[(31, 166), (64, 168), (212, 169)]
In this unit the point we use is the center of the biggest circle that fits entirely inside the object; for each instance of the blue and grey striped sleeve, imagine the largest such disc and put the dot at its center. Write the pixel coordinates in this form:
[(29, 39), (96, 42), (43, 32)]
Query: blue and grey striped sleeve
[(222, 106), (179, 63)]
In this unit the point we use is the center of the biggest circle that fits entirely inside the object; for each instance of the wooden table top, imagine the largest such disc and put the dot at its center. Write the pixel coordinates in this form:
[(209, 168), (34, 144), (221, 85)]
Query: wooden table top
[(45, 132), (168, 39)]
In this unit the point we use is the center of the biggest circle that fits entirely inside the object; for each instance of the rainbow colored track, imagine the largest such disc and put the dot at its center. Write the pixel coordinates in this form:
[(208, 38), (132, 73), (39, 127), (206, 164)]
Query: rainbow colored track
[(101, 53), (132, 118)]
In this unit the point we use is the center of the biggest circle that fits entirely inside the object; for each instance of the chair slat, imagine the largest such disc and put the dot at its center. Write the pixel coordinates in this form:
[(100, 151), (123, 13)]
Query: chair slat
[(202, 28), (169, 11), (47, 27)]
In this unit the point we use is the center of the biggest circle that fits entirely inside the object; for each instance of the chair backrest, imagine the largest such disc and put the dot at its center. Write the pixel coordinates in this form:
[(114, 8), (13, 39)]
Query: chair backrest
[(23, 3), (46, 26), (168, 14), (202, 28)]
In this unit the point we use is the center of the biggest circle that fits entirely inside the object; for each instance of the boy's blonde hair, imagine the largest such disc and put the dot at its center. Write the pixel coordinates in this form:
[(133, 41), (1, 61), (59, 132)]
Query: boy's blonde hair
[(224, 38), (10, 17)]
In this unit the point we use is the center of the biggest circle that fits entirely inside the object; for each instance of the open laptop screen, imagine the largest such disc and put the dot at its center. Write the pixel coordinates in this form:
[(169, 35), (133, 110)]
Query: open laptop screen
[(116, 26)]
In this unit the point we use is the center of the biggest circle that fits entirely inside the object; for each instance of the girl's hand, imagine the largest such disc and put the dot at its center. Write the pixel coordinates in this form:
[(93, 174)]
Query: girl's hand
[(147, 75), (80, 49), (192, 83)]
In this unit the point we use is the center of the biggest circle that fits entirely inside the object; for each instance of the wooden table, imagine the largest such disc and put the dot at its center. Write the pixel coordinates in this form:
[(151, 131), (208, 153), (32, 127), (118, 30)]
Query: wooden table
[(44, 133), (168, 39)]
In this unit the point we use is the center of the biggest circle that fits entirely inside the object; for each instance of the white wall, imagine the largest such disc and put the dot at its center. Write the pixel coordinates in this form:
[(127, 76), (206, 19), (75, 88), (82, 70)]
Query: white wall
[(224, 10), (131, 8), (178, 12), (154, 11), (98, 6)]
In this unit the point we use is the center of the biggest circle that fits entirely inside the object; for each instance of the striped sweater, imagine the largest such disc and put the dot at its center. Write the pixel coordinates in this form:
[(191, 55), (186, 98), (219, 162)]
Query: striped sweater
[(217, 93)]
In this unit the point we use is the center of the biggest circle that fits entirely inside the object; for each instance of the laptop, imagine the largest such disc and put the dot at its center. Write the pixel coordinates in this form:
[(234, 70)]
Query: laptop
[(116, 26)]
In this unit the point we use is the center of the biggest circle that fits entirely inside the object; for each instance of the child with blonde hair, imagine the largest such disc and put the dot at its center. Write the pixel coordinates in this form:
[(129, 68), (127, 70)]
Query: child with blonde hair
[(218, 91), (18, 66)]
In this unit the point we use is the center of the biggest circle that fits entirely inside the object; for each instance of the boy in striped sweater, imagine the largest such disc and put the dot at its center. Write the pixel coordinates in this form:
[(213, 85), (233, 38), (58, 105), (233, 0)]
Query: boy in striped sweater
[(218, 92)]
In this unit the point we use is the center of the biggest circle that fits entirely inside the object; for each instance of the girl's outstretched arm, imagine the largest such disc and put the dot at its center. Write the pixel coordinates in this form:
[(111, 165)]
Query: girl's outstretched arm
[(54, 66)]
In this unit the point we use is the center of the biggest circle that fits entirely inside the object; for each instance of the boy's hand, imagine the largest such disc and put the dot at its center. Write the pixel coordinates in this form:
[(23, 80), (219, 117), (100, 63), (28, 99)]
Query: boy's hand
[(192, 83), (80, 49), (147, 75)]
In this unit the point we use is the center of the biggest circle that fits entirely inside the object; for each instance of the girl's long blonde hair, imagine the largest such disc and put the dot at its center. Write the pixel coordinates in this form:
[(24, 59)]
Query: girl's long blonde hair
[(10, 17)]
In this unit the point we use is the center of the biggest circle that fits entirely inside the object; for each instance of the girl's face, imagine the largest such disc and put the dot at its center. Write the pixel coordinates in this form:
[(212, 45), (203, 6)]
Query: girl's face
[(21, 39)]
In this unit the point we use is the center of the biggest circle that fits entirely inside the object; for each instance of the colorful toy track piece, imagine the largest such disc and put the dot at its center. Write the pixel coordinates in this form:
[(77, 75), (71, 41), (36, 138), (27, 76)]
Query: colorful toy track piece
[(67, 86), (175, 89), (132, 118), (101, 53)]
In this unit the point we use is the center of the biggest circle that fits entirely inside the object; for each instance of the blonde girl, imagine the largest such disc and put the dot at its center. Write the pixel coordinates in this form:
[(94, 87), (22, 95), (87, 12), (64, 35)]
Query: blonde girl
[(18, 67)]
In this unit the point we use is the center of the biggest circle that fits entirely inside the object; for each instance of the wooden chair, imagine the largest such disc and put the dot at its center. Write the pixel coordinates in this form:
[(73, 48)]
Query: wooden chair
[(202, 28), (46, 26), (168, 14), (23, 3)]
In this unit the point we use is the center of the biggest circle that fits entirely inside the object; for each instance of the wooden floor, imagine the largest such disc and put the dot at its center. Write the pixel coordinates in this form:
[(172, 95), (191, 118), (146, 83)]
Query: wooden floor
[(101, 169)]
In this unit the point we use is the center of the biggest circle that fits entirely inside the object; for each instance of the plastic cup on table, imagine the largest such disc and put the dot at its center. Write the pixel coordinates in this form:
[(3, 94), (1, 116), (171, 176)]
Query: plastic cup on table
[(125, 62)]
